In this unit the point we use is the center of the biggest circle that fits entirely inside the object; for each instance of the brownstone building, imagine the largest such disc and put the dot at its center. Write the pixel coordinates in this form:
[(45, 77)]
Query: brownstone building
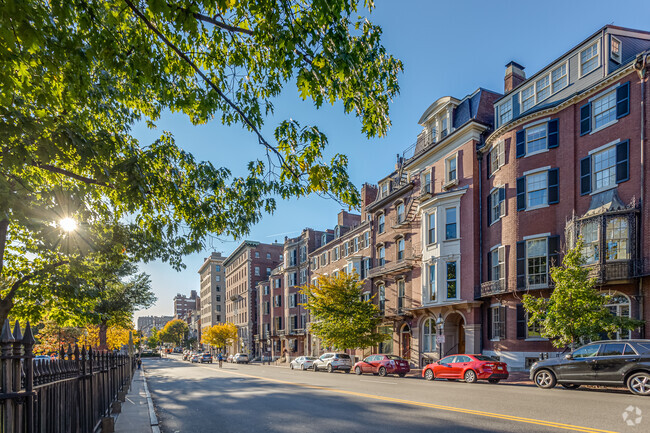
[(567, 159), (247, 266)]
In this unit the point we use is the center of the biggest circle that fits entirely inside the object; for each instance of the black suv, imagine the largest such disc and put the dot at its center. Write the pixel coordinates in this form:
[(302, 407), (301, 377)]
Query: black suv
[(613, 363)]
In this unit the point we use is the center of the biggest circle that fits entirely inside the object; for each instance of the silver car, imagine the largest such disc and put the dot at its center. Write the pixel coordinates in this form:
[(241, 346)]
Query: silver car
[(333, 361), (240, 358), (302, 362)]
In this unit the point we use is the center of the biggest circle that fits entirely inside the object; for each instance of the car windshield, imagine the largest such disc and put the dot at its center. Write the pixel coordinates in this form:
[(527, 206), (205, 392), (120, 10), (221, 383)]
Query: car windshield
[(484, 358), (343, 355), (309, 358), (394, 358)]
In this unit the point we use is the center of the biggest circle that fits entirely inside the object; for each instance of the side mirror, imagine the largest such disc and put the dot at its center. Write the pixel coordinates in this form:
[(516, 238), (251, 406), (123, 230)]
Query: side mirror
[(568, 356)]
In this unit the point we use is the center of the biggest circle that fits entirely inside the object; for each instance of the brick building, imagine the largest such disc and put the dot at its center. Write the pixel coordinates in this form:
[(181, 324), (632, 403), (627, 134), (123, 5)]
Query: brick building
[(247, 266), (147, 323), (213, 297), (567, 158), (183, 304)]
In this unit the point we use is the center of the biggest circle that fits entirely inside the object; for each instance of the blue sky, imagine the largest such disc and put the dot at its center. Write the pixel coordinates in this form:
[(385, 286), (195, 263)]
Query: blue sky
[(448, 49)]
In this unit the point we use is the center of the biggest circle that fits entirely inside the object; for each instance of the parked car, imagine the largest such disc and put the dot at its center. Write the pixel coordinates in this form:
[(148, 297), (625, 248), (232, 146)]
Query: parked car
[(240, 358), (333, 361), (302, 362), (469, 368), (206, 357), (178, 349), (612, 363), (229, 358), (186, 355), (382, 365), (43, 357), (195, 357)]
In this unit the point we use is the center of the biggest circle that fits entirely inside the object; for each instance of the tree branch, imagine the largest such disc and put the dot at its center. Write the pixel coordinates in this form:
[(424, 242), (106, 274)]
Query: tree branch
[(4, 225), (68, 173), (219, 24)]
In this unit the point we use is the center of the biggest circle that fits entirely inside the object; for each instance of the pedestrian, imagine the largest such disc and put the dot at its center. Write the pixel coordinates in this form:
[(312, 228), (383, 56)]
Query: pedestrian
[(139, 363), (220, 358)]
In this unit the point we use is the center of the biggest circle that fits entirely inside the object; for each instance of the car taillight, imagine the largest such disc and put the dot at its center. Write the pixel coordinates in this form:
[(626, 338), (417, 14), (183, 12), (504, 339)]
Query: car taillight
[(489, 365), (336, 359)]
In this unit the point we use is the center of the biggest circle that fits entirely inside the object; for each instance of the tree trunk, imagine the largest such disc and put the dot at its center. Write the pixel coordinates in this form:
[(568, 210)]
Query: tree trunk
[(103, 327), (5, 307)]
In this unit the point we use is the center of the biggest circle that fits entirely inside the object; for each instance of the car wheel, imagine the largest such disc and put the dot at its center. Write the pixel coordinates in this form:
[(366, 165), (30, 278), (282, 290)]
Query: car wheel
[(329, 368), (470, 376), (402, 374), (357, 370), (291, 366), (570, 385), (428, 374), (382, 371), (493, 380), (545, 379), (302, 366), (639, 384)]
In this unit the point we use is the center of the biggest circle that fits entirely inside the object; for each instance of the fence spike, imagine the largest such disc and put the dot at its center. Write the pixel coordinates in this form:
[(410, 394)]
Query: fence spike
[(18, 336), (28, 338), (76, 352), (69, 351), (6, 336), (61, 353)]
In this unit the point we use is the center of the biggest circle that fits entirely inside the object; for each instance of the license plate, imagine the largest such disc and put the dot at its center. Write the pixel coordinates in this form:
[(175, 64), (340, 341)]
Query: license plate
[(499, 368)]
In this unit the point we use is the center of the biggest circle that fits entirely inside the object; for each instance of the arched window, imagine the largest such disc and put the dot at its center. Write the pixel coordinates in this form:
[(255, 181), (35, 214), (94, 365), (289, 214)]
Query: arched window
[(429, 336), (619, 305)]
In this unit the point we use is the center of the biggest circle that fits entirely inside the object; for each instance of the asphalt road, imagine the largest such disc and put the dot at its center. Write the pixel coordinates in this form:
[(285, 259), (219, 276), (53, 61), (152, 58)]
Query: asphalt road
[(254, 398)]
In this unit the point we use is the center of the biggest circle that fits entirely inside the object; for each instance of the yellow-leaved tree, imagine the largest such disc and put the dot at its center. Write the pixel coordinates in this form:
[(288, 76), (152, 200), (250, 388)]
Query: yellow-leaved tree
[(220, 335), (116, 337)]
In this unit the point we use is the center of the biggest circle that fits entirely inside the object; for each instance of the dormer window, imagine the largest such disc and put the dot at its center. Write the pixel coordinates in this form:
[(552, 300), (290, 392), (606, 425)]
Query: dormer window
[(384, 190), (444, 129), (505, 112), (337, 233), (589, 59), (559, 78), (615, 50)]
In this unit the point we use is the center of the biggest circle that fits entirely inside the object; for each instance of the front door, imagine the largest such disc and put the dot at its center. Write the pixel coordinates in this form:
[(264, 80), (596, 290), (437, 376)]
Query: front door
[(406, 346), (461, 338), (581, 367), (445, 367), (611, 363)]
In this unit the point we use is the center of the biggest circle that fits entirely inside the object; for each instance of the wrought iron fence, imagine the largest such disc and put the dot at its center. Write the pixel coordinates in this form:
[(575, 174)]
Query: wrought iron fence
[(72, 393)]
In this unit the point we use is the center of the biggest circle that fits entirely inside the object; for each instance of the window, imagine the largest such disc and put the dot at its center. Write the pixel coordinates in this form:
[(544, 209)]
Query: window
[(431, 232), (429, 335), (586, 351), (268, 271), (604, 110), (604, 168), (401, 296), (589, 59), (452, 288), (590, 232), (292, 300), (381, 252), (615, 49), (268, 256), (267, 308), (278, 283), (497, 206), (382, 298), (366, 239), (432, 282), (497, 322), (346, 249), (444, 127), (218, 298), (536, 262), (277, 301), (303, 254), (527, 98), (616, 238), (542, 88), (293, 257), (323, 259), (380, 223), (217, 268), (336, 253), (536, 139), (266, 290), (293, 279), (533, 330), (619, 306), (450, 165), (217, 278), (559, 78), (400, 213), (303, 276), (384, 190), (366, 296), (450, 224), (537, 190), (400, 249), (505, 112), (257, 254), (497, 157), (426, 183), (257, 270), (356, 245), (497, 263)]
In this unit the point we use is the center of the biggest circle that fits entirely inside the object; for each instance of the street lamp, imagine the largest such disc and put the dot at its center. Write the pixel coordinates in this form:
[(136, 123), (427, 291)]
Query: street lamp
[(440, 325)]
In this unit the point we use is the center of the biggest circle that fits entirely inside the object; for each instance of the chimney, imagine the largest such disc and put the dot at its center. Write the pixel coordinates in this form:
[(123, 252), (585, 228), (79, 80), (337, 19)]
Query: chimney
[(515, 75)]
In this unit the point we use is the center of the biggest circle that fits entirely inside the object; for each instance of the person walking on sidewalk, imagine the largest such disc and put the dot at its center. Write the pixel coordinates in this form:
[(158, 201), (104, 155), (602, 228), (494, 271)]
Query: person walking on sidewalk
[(139, 363), (220, 358)]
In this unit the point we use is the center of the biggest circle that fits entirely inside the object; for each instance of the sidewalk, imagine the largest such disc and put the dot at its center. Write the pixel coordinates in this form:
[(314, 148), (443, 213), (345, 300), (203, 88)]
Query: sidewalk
[(137, 414)]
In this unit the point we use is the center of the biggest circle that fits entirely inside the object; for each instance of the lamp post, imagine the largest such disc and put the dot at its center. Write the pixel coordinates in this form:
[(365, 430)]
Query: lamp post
[(440, 325)]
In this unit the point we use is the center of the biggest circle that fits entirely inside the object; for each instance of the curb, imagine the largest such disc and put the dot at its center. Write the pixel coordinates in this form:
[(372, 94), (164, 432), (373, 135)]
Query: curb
[(153, 419)]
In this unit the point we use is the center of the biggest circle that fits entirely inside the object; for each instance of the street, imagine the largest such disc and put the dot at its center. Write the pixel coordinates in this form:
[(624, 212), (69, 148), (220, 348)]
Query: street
[(249, 398)]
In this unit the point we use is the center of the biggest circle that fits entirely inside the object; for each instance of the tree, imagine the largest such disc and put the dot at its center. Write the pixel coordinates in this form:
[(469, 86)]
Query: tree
[(575, 310), (114, 337), (153, 341), (221, 335), (50, 336), (174, 332), (340, 316), (76, 76)]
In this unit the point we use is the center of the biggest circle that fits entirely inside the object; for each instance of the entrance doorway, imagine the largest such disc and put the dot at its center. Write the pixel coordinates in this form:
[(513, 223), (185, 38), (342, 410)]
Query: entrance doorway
[(454, 334), (405, 338)]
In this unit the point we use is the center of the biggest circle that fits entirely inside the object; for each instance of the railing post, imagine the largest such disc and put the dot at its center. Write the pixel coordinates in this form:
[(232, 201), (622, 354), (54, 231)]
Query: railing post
[(6, 343), (17, 379), (28, 343)]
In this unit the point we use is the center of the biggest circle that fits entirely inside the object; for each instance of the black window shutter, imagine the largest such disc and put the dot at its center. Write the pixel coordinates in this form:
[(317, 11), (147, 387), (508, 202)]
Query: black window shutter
[(521, 264), (489, 209), (585, 119), (623, 100), (488, 157), (585, 175), (521, 143), (521, 193), (502, 199), (489, 323), (622, 161), (553, 251), (553, 133), (502, 314), (554, 186), (521, 322), (489, 266)]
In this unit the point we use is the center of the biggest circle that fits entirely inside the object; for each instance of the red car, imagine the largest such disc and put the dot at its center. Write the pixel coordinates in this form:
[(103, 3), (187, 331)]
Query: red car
[(382, 365), (469, 368)]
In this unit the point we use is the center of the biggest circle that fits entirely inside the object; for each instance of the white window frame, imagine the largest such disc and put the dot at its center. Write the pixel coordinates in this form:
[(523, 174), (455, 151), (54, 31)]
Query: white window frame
[(535, 128), (429, 338), (523, 100), (503, 113), (431, 284), (597, 56), (539, 99), (425, 182), (448, 161), (498, 252), (528, 190), (538, 239), (431, 234), (456, 279), (611, 109), (381, 255), (400, 209), (401, 248), (456, 218), (497, 157), (611, 168), (619, 56), (564, 77), (381, 223), (366, 240), (497, 208)]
